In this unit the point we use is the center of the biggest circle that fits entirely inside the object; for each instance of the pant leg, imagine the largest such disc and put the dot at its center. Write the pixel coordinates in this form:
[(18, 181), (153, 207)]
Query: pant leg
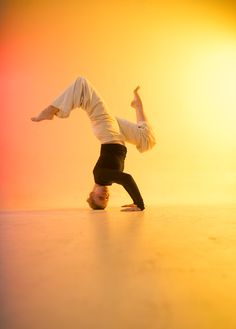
[(82, 94), (76, 95), (140, 134)]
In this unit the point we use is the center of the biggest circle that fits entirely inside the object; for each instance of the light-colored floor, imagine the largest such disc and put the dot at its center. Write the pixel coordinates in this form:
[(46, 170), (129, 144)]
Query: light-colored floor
[(168, 267)]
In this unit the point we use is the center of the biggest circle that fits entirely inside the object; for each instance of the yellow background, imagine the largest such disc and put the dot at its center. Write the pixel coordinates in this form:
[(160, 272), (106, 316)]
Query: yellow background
[(181, 53)]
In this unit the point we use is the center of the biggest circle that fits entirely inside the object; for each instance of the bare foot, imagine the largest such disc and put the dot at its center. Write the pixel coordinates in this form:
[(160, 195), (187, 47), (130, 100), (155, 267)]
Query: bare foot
[(136, 102), (46, 114)]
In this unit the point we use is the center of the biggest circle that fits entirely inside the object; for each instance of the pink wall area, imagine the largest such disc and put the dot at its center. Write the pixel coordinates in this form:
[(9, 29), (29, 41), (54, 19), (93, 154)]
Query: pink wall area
[(184, 58)]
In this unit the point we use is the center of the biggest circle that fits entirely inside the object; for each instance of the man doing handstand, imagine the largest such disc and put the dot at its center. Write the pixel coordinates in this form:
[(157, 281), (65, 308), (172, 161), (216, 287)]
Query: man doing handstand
[(112, 133)]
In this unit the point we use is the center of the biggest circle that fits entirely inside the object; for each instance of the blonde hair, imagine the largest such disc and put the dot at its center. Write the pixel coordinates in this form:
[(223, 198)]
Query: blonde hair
[(93, 204)]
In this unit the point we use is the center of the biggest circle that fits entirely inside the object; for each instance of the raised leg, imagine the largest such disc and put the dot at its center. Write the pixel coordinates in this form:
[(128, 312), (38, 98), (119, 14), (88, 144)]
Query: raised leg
[(141, 133), (82, 94)]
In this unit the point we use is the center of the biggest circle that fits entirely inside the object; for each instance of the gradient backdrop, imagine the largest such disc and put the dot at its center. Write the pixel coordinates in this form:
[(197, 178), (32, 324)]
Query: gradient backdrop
[(181, 53)]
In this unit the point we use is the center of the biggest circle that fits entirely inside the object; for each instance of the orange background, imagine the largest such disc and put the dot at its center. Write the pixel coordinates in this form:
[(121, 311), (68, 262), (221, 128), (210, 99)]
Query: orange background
[(181, 53)]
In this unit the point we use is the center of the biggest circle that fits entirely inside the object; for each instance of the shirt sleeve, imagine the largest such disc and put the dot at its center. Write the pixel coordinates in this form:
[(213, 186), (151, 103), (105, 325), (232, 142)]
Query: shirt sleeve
[(105, 176)]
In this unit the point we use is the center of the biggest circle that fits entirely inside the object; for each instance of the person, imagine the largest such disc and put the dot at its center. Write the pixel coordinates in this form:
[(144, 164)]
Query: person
[(112, 132)]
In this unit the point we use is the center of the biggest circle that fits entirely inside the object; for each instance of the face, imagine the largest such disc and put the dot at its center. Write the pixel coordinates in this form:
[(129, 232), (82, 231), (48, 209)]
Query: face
[(101, 195)]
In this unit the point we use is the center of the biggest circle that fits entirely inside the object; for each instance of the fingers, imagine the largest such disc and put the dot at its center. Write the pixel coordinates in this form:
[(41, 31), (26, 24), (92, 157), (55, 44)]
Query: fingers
[(136, 89), (128, 205), (133, 208)]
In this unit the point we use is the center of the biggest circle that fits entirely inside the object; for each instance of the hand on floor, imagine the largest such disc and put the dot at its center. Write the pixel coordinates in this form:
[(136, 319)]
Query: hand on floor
[(130, 207)]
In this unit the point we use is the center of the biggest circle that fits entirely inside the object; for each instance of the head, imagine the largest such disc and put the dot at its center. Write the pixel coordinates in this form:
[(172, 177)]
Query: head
[(99, 197)]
